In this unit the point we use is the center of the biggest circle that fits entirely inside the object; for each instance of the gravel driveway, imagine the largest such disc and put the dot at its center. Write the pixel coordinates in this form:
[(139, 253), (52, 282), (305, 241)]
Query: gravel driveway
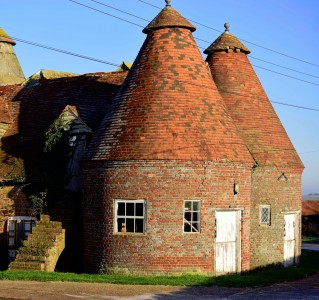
[(303, 289)]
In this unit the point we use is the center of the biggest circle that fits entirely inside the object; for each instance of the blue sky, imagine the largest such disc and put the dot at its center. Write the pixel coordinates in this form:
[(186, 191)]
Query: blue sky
[(290, 27)]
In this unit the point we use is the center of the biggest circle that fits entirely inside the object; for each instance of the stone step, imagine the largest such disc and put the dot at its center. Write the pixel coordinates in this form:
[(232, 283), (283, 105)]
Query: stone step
[(29, 265), (28, 257), (42, 248)]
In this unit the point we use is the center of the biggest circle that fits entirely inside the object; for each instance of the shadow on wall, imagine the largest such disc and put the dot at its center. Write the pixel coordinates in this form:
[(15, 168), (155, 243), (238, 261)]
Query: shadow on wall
[(29, 170)]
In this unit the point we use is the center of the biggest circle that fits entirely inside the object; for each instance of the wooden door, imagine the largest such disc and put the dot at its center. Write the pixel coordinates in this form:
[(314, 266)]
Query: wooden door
[(289, 240), (227, 254)]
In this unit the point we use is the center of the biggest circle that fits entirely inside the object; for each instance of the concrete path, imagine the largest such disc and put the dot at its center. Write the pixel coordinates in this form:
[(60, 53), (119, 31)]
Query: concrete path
[(310, 246)]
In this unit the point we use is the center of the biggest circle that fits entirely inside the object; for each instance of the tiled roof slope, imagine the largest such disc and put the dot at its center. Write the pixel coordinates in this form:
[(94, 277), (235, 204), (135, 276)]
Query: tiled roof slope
[(168, 107), (226, 42), (168, 17), (250, 107), (310, 207), (4, 112), (5, 38), (34, 109)]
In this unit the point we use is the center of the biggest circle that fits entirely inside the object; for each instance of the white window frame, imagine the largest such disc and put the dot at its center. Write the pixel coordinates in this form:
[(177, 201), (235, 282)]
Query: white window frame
[(193, 229), (134, 217), (261, 208)]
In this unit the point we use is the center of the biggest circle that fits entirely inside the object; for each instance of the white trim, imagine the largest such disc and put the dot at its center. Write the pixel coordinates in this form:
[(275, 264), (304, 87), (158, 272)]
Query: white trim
[(134, 217), (199, 211)]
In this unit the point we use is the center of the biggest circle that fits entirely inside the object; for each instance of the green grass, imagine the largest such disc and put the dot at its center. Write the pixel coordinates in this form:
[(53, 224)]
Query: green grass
[(310, 239), (309, 266)]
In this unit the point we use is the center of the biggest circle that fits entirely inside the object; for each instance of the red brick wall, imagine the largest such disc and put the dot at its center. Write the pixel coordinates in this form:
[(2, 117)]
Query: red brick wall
[(268, 188), (164, 248)]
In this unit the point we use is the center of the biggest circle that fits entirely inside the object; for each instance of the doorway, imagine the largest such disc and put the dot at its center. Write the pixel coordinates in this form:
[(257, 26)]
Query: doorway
[(228, 242)]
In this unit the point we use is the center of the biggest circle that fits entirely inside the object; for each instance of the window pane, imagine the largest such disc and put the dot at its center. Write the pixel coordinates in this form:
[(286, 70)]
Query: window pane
[(187, 227), (121, 209), (11, 241), (195, 206), (139, 226), (139, 209), (129, 225), (27, 225), (121, 225), (129, 209), (188, 205), (188, 216), (195, 216), (195, 227), (12, 225)]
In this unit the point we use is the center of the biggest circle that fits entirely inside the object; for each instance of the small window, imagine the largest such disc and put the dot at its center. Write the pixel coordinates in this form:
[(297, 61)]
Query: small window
[(129, 216), (264, 212), (192, 216)]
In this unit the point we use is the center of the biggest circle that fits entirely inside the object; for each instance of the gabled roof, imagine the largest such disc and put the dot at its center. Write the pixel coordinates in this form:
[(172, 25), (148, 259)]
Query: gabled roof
[(227, 42), (33, 109), (168, 17), (72, 122)]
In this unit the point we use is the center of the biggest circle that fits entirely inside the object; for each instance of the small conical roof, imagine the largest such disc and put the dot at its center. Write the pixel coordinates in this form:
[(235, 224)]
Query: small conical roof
[(5, 38), (168, 17), (227, 42), (168, 107), (249, 106)]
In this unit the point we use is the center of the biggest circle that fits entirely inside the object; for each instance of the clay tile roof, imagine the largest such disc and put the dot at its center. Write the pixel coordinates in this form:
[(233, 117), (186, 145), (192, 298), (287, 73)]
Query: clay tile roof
[(226, 42), (168, 106), (5, 38), (310, 207), (168, 17), (250, 108)]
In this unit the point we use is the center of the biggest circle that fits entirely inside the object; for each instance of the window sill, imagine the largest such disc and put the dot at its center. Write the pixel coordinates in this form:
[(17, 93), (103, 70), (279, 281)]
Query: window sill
[(130, 233)]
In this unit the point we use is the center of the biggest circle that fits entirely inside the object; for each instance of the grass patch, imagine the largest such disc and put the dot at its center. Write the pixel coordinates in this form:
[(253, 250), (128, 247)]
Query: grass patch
[(309, 266), (310, 239)]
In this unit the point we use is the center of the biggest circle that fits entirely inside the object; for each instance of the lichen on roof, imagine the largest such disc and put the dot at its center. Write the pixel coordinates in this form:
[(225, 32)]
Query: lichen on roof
[(34, 79), (5, 38), (124, 66), (227, 42)]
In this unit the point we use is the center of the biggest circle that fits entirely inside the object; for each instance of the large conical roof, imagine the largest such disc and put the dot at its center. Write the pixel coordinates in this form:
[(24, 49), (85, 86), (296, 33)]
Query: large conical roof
[(168, 106), (249, 106)]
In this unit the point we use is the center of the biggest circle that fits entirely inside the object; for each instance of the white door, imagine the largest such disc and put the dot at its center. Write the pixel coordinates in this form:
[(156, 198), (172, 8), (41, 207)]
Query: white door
[(289, 240), (227, 242)]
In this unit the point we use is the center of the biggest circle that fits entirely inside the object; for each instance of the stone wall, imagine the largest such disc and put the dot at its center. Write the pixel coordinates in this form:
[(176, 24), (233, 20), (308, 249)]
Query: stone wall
[(163, 248)]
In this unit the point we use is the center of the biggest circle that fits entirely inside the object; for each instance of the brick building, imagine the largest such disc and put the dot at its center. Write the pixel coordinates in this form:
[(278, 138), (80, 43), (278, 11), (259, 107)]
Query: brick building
[(186, 167)]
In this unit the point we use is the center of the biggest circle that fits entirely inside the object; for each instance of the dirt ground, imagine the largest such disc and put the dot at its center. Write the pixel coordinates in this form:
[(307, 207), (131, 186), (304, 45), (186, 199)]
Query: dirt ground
[(303, 289)]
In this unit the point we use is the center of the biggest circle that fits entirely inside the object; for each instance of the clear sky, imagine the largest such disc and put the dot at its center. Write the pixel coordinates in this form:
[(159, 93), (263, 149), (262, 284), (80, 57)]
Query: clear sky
[(290, 27)]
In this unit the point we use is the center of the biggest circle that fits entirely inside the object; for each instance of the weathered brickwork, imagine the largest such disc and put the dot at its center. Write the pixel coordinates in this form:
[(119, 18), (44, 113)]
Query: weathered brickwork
[(12, 203), (164, 248), (283, 194)]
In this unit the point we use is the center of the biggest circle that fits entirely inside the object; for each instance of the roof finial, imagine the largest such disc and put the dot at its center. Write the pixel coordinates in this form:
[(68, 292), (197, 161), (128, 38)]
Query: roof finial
[(168, 2), (227, 25)]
